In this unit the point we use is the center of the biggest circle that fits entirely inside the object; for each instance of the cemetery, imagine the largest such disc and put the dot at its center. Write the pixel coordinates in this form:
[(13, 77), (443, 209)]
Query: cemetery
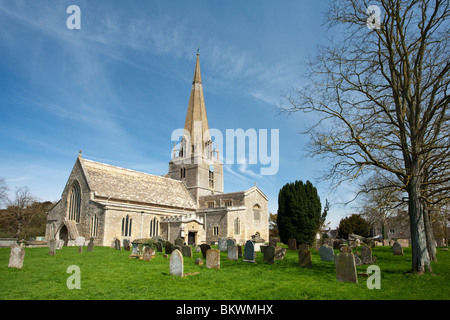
[(153, 270)]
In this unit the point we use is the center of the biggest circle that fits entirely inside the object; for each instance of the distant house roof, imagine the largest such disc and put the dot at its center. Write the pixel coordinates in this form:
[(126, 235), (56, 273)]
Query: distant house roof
[(119, 184)]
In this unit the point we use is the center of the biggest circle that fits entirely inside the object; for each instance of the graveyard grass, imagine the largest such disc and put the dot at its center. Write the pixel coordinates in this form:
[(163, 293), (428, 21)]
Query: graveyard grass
[(108, 274)]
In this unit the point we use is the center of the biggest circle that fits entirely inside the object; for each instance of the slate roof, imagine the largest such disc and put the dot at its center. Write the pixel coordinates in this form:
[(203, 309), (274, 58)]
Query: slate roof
[(122, 184)]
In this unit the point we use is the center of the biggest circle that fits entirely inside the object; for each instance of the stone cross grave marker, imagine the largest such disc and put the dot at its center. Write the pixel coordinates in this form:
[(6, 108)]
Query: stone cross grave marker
[(176, 265), (16, 256), (345, 266), (213, 259)]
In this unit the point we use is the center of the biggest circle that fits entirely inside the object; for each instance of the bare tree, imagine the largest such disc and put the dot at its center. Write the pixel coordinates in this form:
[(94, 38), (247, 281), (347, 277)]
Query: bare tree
[(382, 97), (19, 209), (3, 191)]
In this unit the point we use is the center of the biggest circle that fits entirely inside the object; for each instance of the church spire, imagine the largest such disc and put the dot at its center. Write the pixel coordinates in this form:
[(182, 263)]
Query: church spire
[(196, 120)]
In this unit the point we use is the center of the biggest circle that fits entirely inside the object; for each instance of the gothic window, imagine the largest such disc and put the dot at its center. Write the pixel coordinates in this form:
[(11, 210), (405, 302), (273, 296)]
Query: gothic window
[(237, 226), (183, 173), (211, 179), (154, 226), (215, 231), (94, 226), (74, 204), (126, 226), (256, 213)]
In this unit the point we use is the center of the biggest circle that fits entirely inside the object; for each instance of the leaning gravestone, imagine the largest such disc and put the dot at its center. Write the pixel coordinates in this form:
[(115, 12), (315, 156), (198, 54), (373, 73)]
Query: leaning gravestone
[(397, 249), (249, 251), (79, 241), (292, 244), (52, 247), (117, 244), (186, 251), (204, 247), (279, 253), (176, 266), (16, 256), (366, 255), (213, 259), (344, 264), (232, 252), (304, 259), (90, 246), (269, 254), (326, 253)]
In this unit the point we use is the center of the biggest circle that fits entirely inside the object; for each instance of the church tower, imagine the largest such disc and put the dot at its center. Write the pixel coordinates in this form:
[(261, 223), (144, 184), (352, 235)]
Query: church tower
[(196, 163)]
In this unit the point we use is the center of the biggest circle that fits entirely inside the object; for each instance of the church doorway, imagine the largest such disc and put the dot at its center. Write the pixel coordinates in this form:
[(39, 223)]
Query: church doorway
[(64, 235), (191, 237)]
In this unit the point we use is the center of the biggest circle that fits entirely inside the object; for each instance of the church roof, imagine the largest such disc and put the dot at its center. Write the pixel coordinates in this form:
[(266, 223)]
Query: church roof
[(120, 184), (196, 120)]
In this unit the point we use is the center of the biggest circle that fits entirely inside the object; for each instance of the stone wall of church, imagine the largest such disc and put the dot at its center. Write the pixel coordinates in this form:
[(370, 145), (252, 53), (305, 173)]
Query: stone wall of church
[(253, 226)]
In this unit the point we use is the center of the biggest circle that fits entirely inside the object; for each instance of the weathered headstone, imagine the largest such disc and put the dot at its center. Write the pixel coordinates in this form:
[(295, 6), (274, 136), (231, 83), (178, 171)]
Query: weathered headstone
[(176, 247), (303, 247), (126, 244), (52, 247), (239, 249), (292, 244), (397, 249), (117, 244), (16, 256), (249, 251), (187, 251), (345, 267), (326, 253), (199, 261), (357, 256), (90, 246), (304, 259), (204, 247), (222, 244), (269, 254), (178, 242), (273, 241), (213, 259), (279, 253), (59, 244), (147, 255), (176, 264), (232, 251), (168, 247), (231, 242), (159, 246), (366, 255)]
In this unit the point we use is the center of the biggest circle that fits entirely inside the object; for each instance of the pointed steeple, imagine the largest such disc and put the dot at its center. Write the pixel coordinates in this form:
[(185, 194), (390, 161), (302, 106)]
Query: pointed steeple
[(196, 120)]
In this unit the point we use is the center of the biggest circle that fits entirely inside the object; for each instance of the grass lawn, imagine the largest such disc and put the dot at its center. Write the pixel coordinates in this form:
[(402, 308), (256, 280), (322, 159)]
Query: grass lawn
[(109, 274)]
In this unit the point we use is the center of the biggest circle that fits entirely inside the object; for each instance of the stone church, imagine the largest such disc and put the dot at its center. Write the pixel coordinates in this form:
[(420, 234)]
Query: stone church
[(107, 202)]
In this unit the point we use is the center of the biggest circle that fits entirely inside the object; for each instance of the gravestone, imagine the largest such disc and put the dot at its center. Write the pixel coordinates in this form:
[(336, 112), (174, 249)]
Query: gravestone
[(231, 242), (292, 244), (134, 248), (117, 244), (52, 247), (249, 251), (366, 255), (79, 241), (345, 267), (178, 242), (204, 247), (168, 247), (304, 259), (213, 259), (232, 252), (326, 253), (176, 247), (59, 244), (147, 255), (199, 261), (159, 246), (303, 247), (16, 256), (273, 241), (90, 246), (222, 244), (269, 254), (357, 256), (187, 251), (126, 244), (239, 249), (397, 249), (176, 265), (279, 253)]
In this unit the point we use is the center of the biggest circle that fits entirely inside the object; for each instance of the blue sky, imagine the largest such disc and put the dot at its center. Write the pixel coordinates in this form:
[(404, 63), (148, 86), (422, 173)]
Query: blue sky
[(119, 86)]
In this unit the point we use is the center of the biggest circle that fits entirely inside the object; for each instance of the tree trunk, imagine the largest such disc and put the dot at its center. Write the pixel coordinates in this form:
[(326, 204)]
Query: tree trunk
[(420, 257), (431, 245)]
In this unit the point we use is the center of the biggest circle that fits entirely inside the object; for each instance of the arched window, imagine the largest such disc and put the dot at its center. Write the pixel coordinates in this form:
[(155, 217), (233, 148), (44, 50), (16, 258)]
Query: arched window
[(237, 226), (74, 200), (94, 226), (256, 213), (126, 226), (154, 227)]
